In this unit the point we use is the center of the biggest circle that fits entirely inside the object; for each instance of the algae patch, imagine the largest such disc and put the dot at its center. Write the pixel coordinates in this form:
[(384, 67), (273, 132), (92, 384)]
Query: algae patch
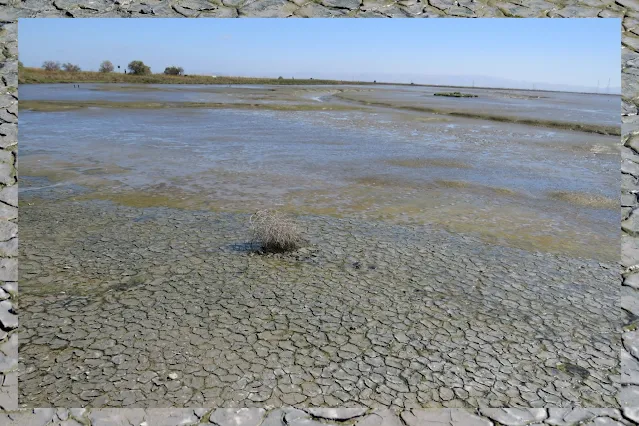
[(417, 163), (586, 200), (574, 370)]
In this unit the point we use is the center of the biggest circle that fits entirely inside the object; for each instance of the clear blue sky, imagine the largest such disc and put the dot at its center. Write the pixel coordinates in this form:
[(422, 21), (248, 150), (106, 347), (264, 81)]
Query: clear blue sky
[(559, 51)]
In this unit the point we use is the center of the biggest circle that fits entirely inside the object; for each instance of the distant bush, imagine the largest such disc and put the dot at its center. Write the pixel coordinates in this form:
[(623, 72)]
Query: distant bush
[(138, 68), (20, 65), (274, 231), (174, 71), (51, 66), (69, 67), (280, 78), (106, 66)]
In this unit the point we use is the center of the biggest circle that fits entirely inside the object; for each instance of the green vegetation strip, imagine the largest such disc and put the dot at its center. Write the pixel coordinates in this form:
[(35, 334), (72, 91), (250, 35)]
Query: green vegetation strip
[(51, 106)]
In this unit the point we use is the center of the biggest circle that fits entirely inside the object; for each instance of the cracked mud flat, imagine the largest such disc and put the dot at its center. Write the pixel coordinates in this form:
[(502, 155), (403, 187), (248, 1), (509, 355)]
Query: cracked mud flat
[(157, 307), (152, 297), (320, 416)]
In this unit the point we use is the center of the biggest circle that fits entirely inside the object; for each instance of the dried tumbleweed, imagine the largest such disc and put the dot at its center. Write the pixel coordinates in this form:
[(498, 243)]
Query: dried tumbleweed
[(275, 231)]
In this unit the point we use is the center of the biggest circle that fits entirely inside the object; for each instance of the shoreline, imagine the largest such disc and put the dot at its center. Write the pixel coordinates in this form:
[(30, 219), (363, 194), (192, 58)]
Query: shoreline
[(50, 191)]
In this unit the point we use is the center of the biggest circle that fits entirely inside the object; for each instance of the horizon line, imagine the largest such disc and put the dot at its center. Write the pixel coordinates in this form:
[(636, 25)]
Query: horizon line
[(341, 81)]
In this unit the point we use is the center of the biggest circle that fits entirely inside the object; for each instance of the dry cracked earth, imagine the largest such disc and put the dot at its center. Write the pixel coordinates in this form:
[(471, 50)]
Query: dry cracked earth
[(327, 8), (158, 307), (320, 417), (627, 10)]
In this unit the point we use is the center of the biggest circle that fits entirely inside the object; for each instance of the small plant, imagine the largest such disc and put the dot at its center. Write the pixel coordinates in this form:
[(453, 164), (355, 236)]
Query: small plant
[(106, 66), (274, 231), (51, 66)]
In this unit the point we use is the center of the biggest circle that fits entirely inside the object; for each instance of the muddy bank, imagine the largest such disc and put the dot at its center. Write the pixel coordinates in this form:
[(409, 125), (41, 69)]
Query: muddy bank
[(452, 262)]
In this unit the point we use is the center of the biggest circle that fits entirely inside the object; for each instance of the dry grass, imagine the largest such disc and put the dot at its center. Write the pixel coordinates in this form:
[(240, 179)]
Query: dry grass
[(274, 231)]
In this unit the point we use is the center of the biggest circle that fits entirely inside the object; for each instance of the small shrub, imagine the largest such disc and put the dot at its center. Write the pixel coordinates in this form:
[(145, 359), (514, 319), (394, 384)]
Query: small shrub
[(106, 66), (69, 67), (274, 231), (280, 78), (51, 66), (139, 68), (174, 71)]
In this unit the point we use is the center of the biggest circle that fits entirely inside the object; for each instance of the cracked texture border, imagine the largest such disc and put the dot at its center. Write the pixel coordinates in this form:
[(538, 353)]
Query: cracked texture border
[(627, 11)]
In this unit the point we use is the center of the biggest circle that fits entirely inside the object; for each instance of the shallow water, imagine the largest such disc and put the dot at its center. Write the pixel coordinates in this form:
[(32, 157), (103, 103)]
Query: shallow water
[(568, 107), (537, 188), (565, 107)]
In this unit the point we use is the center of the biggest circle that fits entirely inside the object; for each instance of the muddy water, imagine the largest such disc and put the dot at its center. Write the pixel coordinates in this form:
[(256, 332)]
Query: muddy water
[(531, 187)]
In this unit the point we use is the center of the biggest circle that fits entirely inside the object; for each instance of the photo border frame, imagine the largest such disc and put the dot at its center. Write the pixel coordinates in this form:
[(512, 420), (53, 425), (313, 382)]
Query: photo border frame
[(626, 11)]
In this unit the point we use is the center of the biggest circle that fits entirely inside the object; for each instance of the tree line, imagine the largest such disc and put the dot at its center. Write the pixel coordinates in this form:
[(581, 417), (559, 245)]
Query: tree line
[(134, 67)]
